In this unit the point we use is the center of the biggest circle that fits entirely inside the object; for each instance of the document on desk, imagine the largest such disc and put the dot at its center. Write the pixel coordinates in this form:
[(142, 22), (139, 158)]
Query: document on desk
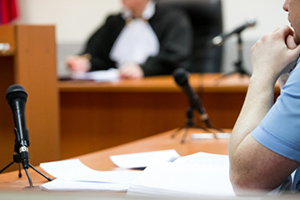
[(110, 75), (141, 160), (75, 170), (196, 175), (67, 185), (202, 158)]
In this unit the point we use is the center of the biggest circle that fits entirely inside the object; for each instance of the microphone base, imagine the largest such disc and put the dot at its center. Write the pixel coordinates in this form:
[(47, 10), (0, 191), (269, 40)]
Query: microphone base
[(19, 161), (186, 130), (191, 124)]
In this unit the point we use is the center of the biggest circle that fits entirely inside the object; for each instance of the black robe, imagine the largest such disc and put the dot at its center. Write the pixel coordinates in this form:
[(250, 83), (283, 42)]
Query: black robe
[(174, 33)]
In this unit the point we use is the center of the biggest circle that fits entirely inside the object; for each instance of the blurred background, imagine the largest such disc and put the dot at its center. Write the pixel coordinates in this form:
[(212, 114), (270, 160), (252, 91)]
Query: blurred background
[(75, 21)]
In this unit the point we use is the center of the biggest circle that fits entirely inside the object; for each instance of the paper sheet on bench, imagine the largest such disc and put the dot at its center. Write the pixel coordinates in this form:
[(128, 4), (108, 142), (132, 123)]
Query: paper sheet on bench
[(76, 171), (67, 185), (140, 160)]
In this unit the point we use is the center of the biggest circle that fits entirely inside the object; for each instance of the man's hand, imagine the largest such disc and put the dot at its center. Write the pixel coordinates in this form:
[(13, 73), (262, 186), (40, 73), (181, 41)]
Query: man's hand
[(274, 55)]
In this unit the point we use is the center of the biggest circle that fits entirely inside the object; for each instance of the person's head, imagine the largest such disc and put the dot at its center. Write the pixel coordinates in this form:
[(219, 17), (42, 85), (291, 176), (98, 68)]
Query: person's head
[(293, 8), (135, 6)]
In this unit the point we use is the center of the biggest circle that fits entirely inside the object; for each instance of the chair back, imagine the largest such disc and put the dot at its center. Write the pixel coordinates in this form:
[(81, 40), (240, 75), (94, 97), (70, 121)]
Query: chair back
[(207, 22)]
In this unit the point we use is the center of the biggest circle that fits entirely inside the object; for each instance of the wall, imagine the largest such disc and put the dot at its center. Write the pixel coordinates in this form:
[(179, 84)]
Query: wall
[(75, 20)]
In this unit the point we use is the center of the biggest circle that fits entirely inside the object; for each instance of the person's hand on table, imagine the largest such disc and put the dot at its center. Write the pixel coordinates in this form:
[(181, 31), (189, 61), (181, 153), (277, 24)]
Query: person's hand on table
[(132, 71), (78, 63)]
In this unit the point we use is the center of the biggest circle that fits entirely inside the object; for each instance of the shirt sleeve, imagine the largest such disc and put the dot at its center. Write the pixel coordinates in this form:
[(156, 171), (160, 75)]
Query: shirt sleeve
[(280, 129)]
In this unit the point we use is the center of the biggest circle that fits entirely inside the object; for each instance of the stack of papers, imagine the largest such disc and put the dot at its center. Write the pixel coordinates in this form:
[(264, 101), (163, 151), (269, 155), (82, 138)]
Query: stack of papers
[(197, 175), (69, 185), (74, 175)]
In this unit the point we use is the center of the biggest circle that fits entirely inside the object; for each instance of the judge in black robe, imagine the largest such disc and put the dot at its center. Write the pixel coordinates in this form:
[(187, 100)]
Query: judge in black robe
[(174, 33)]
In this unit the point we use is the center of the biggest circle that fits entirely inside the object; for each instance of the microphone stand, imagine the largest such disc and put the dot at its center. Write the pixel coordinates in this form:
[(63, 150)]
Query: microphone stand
[(18, 158), (190, 123), (239, 64)]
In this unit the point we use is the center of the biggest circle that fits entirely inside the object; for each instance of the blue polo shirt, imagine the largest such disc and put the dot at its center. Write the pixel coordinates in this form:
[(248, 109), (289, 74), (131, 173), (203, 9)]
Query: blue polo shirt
[(280, 129)]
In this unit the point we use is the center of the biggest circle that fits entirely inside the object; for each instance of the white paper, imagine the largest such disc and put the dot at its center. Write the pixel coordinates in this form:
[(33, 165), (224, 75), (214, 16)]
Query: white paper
[(186, 177), (110, 75), (140, 160), (68, 185), (202, 158), (76, 171)]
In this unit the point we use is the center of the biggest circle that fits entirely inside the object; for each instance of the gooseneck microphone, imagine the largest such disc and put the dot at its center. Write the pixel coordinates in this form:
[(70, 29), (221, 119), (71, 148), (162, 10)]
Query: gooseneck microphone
[(220, 39), (181, 78), (16, 97)]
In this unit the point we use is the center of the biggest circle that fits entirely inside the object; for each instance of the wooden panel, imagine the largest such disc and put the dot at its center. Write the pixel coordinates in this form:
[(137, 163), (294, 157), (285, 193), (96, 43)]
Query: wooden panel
[(7, 35), (35, 70), (33, 65), (93, 121), (223, 108), (7, 136)]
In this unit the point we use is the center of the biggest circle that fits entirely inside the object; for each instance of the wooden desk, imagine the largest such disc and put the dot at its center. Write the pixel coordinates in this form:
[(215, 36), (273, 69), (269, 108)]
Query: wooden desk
[(95, 115), (100, 160), (31, 62)]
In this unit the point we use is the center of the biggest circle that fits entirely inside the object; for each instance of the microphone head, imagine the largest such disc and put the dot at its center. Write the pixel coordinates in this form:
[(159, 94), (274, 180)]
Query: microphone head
[(251, 21), (217, 41), (181, 76), (15, 92)]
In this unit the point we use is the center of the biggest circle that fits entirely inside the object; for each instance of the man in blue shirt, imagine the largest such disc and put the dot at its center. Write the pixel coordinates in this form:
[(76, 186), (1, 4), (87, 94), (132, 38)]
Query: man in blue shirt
[(265, 142)]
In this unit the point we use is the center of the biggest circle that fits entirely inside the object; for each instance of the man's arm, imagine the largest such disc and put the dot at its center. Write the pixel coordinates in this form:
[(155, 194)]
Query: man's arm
[(253, 167)]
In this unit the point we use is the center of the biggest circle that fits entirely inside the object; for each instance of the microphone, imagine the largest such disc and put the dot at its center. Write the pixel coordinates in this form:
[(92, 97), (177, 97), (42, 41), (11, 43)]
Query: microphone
[(220, 39), (181, 78), (16, 97)]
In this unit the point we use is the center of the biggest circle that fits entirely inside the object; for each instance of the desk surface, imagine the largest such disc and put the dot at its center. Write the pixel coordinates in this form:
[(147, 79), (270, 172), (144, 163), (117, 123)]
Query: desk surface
[(100, 160), (205, 82)]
